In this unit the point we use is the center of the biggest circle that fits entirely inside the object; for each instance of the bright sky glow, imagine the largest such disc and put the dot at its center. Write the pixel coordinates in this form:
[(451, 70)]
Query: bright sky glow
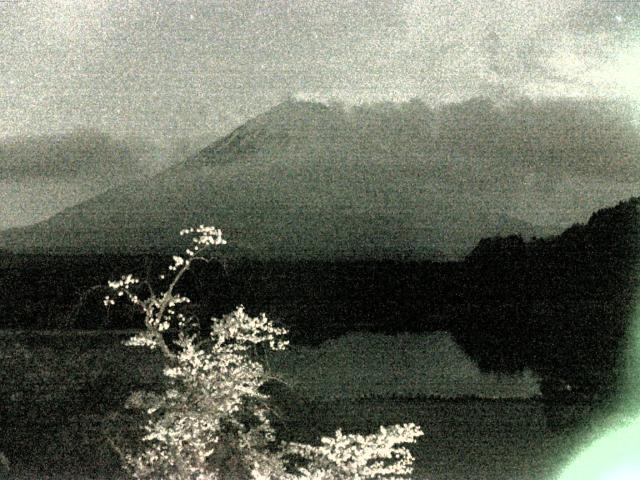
[(174, 69), (613, 457), (624, 73)]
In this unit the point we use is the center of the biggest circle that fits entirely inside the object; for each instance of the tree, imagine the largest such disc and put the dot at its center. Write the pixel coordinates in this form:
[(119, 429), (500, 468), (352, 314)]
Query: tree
[(212, 421)]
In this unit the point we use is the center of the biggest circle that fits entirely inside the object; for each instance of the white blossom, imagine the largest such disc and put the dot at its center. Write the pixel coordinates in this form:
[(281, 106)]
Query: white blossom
[(213, 405), (141, 340)]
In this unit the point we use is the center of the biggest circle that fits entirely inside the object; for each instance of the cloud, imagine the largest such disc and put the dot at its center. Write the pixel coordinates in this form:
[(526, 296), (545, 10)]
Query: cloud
[(557, 138), (548, 161), (452, 50), (84, 155), (617, 18), (186, 68)]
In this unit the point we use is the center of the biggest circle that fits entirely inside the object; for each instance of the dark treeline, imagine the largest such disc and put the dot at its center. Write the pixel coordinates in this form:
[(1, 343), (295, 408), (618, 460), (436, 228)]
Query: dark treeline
[(561, 306)]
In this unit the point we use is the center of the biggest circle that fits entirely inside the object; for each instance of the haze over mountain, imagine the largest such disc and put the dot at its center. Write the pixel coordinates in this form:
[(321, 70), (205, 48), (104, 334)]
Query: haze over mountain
[(307, 180)]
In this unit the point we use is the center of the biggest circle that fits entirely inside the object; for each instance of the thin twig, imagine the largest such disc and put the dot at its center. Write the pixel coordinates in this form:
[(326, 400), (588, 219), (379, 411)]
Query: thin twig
[(118, 451), (72, 316)]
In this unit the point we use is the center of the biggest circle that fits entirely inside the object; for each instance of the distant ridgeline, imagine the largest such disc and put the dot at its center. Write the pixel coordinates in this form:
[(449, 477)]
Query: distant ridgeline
[(559, 305)]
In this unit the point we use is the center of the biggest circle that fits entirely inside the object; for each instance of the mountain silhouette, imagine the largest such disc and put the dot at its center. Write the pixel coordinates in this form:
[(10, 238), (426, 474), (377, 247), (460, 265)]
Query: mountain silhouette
[(302, 180)]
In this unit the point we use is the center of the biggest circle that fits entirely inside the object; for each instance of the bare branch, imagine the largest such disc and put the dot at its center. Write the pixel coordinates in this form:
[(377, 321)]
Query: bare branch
[(72, 316), (118, 451)]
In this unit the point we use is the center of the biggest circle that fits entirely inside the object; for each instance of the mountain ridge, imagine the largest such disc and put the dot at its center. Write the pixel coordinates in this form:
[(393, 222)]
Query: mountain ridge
[(302, 180)]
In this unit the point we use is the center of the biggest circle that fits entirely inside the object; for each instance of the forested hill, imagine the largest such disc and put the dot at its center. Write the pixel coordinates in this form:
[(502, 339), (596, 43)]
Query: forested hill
[(562, 304)]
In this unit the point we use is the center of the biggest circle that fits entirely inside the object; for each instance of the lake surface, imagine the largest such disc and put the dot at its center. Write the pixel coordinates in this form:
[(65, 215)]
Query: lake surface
[(56, 392)]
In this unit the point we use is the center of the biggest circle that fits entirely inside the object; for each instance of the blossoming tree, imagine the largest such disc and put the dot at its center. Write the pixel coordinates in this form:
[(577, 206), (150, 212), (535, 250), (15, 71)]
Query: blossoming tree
[(212, 421)]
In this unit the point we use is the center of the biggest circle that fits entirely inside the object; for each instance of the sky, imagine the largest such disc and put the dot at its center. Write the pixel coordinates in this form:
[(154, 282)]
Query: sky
[(184, 72)]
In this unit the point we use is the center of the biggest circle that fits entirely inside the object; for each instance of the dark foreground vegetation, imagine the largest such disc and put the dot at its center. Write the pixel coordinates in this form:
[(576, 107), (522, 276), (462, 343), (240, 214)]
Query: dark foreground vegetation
[(561, 306), (63, 400)]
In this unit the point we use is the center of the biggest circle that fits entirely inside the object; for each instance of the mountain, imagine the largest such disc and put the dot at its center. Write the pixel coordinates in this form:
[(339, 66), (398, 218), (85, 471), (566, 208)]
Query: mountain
[(302, 180)]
